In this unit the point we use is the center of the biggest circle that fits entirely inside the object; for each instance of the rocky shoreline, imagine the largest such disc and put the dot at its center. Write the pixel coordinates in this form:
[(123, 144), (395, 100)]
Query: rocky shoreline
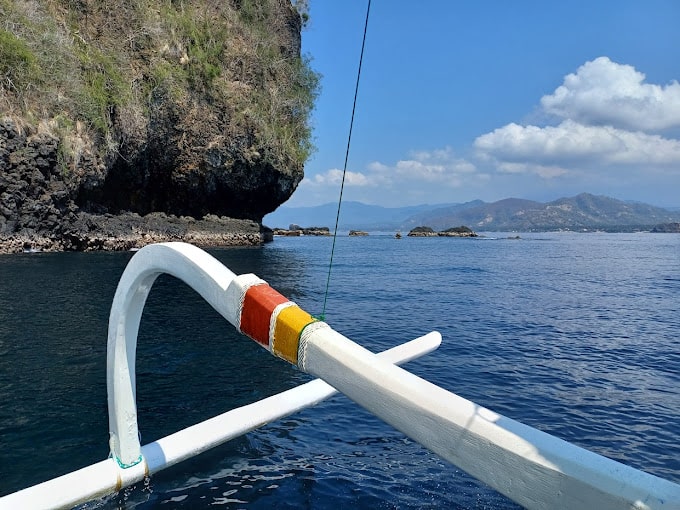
[(667, 228), (40, 208), (129, 231)]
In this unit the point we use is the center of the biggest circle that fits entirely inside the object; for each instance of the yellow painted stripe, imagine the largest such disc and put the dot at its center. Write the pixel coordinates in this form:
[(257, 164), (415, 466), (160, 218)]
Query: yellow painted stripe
[(289, 324)]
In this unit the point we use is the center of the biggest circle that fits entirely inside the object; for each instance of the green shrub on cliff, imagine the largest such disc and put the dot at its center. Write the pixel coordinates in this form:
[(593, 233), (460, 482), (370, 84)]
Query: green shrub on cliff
[(102, 65), (235, 58), (19, 66), (103, 87)]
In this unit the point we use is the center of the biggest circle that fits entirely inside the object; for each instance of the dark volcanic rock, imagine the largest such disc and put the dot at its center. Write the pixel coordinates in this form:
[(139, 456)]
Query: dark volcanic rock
[(297, 230), (667, 228), (33, 195), (422, 232), (316, 231), (187, 166), (461, 231)]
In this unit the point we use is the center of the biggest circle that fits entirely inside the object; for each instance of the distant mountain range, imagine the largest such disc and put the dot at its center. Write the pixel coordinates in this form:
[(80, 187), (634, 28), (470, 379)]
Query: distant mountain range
[(582, 212)]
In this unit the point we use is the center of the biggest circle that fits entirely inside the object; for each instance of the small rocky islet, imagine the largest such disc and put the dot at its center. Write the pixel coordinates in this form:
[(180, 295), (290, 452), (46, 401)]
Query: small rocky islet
[(296, 230), (461, 231)]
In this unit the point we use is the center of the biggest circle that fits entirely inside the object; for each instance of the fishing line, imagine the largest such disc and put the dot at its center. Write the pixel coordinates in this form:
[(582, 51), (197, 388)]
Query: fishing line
[(344, 168)]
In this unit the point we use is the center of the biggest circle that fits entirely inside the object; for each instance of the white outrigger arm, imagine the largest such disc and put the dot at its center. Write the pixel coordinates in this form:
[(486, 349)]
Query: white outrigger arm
[(533, 468)]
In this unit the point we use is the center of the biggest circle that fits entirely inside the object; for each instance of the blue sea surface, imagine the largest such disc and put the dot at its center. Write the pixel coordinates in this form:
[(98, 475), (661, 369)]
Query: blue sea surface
[(577, 335)]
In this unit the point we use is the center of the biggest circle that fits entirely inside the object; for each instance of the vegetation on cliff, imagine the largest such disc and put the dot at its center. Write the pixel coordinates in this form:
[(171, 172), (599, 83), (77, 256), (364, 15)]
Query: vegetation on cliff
[(189, 108)]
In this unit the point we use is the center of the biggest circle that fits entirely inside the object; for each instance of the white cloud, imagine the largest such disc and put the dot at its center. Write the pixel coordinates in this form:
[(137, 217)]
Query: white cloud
[(545, 171), (425, 176), (334, 177), (440, 166), (572, 143), (602, 92), (378, 168), (606, 109)]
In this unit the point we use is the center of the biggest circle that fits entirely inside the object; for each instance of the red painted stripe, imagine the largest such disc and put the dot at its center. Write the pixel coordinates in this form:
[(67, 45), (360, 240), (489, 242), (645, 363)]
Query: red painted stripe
[(258, 306)]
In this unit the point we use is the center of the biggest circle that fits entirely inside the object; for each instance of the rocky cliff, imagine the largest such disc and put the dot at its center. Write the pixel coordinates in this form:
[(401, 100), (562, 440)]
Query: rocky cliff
[(123, 109)]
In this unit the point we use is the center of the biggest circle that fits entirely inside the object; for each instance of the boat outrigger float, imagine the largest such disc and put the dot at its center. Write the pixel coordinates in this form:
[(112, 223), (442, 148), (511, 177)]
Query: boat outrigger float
[(533, 468)]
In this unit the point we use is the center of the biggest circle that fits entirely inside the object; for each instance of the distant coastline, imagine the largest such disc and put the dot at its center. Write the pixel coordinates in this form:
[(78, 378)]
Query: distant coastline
[(583, 212)]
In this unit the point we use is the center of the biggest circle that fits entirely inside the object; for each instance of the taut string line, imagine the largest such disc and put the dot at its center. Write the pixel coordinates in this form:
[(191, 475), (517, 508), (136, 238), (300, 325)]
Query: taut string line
[(344, 168)]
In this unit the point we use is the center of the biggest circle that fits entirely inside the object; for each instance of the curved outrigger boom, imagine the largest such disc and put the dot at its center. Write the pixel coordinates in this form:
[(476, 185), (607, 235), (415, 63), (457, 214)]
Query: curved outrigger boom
[(533, 468)]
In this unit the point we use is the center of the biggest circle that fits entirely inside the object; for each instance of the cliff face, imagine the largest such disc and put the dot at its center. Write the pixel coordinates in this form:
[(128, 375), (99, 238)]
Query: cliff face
[(184, 108)]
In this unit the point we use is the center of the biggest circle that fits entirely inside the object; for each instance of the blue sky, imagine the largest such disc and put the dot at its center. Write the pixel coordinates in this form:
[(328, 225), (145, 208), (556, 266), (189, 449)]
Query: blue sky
[(495, 99)]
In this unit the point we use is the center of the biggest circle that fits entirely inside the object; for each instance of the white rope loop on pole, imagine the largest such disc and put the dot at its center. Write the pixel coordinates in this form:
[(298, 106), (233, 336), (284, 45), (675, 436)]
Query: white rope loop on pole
[(199, 270)]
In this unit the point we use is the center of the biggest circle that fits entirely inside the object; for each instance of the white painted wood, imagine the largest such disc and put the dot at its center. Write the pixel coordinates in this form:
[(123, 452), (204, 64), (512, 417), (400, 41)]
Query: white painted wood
[(205, 274), (106, 477), (537, 470)]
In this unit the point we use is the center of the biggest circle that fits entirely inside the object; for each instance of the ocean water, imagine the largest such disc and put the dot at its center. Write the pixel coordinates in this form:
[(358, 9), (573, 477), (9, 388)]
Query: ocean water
[(575, 334)]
